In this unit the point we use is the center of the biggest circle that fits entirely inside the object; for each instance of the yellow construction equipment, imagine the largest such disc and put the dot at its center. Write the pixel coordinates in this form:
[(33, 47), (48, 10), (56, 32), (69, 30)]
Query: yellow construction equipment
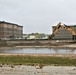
[(65, 27)]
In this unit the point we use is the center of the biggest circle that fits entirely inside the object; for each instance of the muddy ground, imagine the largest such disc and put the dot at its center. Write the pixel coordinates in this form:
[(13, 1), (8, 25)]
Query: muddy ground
[(39, 43)]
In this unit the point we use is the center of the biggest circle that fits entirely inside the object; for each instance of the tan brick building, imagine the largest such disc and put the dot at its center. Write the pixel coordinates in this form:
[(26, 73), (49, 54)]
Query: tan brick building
[(10, 30)]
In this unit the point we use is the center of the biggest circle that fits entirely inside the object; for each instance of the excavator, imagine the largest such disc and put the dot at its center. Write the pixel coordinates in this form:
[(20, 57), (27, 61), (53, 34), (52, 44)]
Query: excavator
[(65, 27)]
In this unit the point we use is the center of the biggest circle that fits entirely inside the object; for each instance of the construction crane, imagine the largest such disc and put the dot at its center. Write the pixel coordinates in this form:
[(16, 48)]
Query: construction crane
[(65, 27)]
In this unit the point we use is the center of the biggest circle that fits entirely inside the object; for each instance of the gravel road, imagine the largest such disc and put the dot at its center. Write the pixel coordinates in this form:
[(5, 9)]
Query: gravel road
[(36, 70)]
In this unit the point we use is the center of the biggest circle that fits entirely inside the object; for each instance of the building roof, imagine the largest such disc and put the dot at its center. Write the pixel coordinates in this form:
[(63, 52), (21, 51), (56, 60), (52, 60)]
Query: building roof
[(10, 23), (68, 25)]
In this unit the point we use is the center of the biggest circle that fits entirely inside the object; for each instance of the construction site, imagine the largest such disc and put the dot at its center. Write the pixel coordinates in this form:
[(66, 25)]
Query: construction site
[(62, 41), (62, 35), (10, 31), (38, 37)]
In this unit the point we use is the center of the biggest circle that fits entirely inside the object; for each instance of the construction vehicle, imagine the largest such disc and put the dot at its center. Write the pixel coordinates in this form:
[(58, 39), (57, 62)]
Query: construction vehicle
[(65, 27)]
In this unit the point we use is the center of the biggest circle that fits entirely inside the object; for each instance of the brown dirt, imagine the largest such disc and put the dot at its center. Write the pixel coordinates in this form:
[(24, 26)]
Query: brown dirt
[(73, 56)]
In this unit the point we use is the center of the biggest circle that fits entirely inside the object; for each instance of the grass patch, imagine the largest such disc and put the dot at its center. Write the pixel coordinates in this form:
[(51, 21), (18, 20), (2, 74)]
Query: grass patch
[(30, 60)]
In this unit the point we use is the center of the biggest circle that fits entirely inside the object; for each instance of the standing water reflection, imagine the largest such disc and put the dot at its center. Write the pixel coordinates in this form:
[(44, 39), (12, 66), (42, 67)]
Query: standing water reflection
[(37, 51)]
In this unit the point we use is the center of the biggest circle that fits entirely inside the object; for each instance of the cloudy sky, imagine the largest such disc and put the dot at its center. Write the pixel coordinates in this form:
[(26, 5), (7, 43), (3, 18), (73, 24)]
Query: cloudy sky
[(38, 15)]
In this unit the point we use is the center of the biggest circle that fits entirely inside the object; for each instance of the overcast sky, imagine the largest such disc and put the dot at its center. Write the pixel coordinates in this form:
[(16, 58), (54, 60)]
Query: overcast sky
[(38, 15)]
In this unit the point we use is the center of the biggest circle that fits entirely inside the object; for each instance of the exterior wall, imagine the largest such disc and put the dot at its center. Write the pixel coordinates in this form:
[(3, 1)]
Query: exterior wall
[(74, 27), (10, 30), (1, 31), (64, 34), (19, 32)]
